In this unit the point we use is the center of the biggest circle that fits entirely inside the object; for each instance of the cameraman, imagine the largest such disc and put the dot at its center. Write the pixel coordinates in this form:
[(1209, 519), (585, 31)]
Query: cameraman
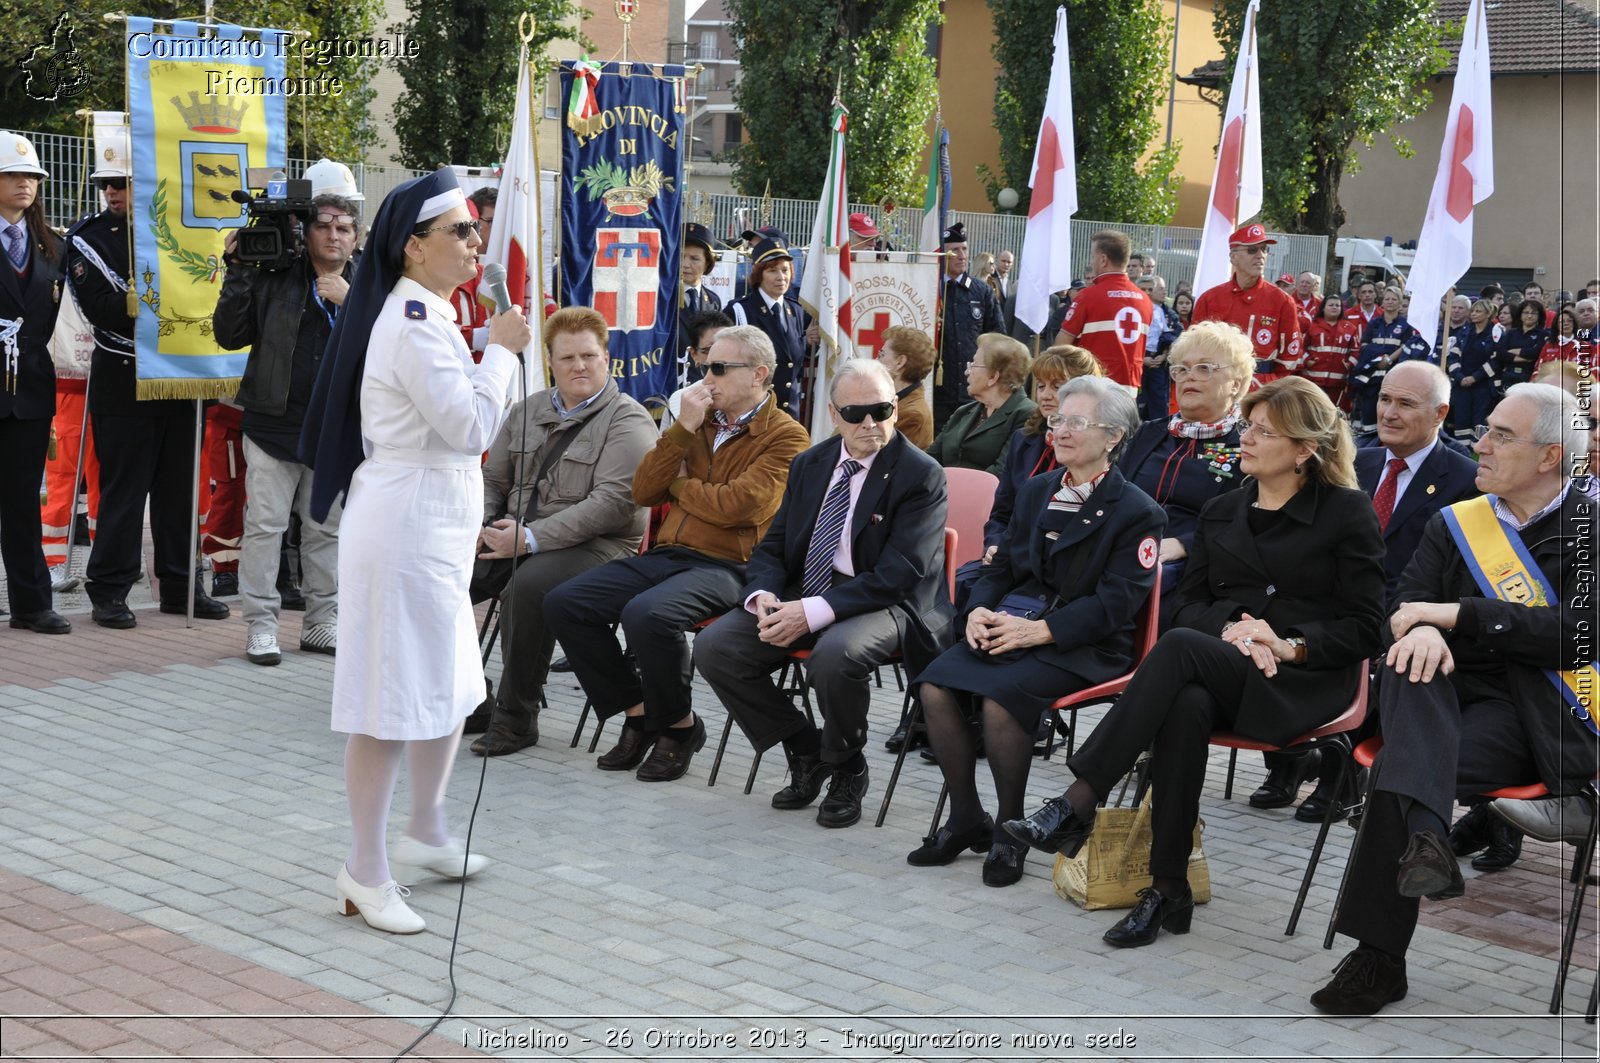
[(285, 316)]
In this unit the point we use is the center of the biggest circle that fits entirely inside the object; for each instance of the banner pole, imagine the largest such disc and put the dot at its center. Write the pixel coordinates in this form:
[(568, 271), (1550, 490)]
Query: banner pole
[(194, 513)]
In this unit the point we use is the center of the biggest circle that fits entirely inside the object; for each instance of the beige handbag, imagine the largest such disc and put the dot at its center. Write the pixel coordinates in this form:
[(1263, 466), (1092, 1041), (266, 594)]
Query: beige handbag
[(1114, 863)]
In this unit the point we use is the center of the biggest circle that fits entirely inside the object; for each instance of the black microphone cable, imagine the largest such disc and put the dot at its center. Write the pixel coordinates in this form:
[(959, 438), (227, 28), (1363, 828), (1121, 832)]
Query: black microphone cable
[(483, 770)]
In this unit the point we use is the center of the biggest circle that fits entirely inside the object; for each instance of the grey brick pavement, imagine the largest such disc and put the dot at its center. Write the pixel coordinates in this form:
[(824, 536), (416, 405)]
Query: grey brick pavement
[(208, 801)]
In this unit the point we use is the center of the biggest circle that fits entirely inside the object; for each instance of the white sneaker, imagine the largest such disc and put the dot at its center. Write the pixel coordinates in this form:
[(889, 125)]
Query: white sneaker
[(262, 648), (411, 856), (61, 578), (320, 638), (383, 907)]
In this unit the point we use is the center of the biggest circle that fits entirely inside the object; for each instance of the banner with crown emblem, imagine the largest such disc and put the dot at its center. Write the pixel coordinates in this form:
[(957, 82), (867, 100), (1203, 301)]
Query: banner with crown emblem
[(622, 211), (208, 104)]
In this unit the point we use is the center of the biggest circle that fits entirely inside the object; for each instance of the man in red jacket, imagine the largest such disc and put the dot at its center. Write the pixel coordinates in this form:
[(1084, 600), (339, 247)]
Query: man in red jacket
[(1111, 317), (1265, 313)]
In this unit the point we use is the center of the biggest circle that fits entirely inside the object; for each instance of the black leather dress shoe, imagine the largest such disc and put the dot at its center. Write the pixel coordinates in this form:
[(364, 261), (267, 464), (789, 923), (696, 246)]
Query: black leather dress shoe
[(1004, 865), (634, 745), (1284, 778), (45, 622), (500, 739), (946, 845), (1055, 828), (899, 738), (1429, 869), (842, 805), (1471, 832), (113, 614), (205, 606), (1150, 916), (291, 597), (806, 776), (561, 664), (1505, 845), (673, 750), (1313, 808), (1362, 984)]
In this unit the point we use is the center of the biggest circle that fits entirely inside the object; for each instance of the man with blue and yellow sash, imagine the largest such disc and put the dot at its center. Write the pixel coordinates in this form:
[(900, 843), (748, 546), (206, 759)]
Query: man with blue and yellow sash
[(1487, 683)]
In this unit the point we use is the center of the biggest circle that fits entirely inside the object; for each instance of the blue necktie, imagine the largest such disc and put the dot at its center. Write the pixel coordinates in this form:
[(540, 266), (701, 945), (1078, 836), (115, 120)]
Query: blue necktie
[(825, 536), (17, 247)]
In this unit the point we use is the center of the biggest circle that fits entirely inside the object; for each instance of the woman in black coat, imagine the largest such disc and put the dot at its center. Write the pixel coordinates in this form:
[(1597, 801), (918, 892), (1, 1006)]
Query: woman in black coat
[(30, 294), (1278, 611), (1053, 613)]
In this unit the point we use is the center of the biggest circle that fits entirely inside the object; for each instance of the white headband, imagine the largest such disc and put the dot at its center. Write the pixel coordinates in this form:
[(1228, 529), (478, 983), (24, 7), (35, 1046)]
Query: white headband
[(439, 204)]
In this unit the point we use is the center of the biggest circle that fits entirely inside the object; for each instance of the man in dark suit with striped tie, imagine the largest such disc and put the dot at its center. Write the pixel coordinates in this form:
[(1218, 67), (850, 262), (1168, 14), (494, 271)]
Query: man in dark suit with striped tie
[(852, 570)]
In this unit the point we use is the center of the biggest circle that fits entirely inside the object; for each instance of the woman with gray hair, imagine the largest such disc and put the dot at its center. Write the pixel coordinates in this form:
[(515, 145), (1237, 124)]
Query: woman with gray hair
[(1053, 613)]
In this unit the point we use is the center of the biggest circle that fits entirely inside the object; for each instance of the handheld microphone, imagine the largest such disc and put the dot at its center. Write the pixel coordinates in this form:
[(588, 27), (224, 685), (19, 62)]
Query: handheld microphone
[(494, 283)]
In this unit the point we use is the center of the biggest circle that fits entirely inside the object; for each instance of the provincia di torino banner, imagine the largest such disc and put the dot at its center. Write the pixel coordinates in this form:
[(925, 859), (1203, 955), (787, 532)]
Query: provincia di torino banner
[(622, 148)]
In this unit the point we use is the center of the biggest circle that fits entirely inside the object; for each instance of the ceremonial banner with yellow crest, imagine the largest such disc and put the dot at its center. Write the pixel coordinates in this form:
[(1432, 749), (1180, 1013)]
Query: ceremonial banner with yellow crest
[(206, 103)]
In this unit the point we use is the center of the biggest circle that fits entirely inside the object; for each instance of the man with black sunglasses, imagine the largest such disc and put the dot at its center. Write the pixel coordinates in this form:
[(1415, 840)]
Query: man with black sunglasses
[(852, 570), (721, 468)]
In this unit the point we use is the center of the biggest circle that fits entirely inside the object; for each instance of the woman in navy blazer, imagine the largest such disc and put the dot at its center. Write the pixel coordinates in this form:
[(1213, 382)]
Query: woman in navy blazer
[(1053, 613), (1279, 608)]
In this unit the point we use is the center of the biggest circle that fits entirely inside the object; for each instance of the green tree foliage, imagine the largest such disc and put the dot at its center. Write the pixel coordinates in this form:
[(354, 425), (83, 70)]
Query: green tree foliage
[(1121, 58), (319, 125), (791, 55), (461, 86), (1332, 76)]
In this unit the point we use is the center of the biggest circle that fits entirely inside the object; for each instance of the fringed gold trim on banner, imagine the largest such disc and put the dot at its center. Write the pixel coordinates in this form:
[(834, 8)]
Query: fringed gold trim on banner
[(176, 388)]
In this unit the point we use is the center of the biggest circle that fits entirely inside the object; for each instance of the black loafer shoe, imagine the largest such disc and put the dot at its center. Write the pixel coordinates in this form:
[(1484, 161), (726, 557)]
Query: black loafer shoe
[(674, 748), (842, 806), (946, 845), (1471, 832), (205, 607), (1362, 984), (499, 740), (1284, 778), (1428, 869), (1150, 916), (1004, 865), (1313, 808), (1055, 828), (113, 614), (45, 622), (630, 750), (1505, 845), (806, 775)]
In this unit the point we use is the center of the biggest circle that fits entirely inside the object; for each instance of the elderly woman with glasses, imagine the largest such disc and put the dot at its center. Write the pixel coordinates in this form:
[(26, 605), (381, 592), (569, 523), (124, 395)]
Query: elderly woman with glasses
[(976, 435), (1053, 613), (1278, 611)]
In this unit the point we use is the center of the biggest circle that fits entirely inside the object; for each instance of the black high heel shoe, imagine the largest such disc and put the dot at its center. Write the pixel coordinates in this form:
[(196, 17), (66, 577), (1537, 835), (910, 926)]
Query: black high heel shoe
[(1153, 913), (1055, 828), (945, 846)]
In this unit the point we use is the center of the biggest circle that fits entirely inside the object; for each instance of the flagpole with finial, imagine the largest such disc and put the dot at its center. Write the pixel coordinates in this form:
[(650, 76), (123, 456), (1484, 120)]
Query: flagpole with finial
[(626, 9), (1244, 114)]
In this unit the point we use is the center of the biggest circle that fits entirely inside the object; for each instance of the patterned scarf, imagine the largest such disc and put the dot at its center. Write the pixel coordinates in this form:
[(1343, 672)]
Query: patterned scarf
[(1182, 429), (1071, 496)]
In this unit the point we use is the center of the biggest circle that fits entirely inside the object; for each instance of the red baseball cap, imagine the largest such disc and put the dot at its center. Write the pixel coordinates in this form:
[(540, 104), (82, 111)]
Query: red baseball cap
[(1249, 236), (1287, 278), (862, 225)]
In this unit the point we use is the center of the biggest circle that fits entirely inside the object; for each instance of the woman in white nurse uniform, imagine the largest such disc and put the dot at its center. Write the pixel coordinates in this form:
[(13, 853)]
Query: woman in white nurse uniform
[(408, 671)]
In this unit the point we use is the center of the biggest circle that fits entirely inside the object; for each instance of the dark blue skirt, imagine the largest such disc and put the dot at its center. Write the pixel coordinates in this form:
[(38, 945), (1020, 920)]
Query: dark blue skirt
[(1024, 687)]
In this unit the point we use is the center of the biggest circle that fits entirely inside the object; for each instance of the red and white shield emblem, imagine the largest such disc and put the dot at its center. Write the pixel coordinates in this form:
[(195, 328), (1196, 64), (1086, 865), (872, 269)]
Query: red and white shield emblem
[(1149, 551), (1263, 337), (1128, 322), (627, 275)]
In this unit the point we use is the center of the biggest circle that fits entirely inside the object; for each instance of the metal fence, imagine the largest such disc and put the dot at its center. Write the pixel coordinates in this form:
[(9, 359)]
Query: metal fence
[(67, 198)]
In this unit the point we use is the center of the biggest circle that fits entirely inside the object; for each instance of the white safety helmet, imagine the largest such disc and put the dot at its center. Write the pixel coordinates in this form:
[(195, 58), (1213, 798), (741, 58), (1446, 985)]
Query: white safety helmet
[(329, 178), (113, 155), (17, 155)]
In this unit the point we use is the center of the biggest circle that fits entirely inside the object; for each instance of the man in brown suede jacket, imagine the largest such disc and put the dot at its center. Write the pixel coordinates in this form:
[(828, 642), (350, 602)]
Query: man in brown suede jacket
[(722, 467)]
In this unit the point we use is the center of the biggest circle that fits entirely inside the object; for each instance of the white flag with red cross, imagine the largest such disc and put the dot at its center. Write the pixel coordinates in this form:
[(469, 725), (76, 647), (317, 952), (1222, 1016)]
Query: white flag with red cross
[(1047, 241), (1236, 184)]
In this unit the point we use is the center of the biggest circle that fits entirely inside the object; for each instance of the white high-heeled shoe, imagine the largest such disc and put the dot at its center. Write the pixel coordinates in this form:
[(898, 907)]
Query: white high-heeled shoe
[(410, 856), (383, 907)]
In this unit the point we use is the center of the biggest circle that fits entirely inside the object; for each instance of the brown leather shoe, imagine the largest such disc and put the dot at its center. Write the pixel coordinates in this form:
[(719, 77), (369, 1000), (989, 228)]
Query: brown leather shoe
[(671, 756), (631, 748)]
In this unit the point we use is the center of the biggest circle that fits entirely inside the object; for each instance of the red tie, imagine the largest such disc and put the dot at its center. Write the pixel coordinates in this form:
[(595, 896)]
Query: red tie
[(1383, 501)]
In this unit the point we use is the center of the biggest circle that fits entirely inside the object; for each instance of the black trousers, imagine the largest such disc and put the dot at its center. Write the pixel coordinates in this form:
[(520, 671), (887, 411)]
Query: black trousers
[(527, 640), (1453, 737), (144, 456), (24, 443), (738, 666), (1189, 686), (656, 597)]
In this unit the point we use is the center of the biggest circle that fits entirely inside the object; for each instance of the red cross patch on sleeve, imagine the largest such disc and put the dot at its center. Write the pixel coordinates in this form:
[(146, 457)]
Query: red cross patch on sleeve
[(1149, 550)]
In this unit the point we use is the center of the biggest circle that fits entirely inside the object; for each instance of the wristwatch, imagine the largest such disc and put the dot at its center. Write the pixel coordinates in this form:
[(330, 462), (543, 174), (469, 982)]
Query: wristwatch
[(1298, 644)]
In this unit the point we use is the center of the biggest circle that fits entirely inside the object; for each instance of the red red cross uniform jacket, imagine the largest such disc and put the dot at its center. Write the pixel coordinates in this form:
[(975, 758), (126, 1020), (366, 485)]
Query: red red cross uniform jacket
[(1263, 312)]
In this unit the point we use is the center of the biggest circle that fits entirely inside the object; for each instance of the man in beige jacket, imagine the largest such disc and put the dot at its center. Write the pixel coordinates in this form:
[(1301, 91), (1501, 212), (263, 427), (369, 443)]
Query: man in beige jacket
[(557, 497)]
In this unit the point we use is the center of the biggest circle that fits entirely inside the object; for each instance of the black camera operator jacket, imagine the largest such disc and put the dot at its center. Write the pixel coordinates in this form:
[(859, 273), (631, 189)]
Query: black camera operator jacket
[(260, 309)]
